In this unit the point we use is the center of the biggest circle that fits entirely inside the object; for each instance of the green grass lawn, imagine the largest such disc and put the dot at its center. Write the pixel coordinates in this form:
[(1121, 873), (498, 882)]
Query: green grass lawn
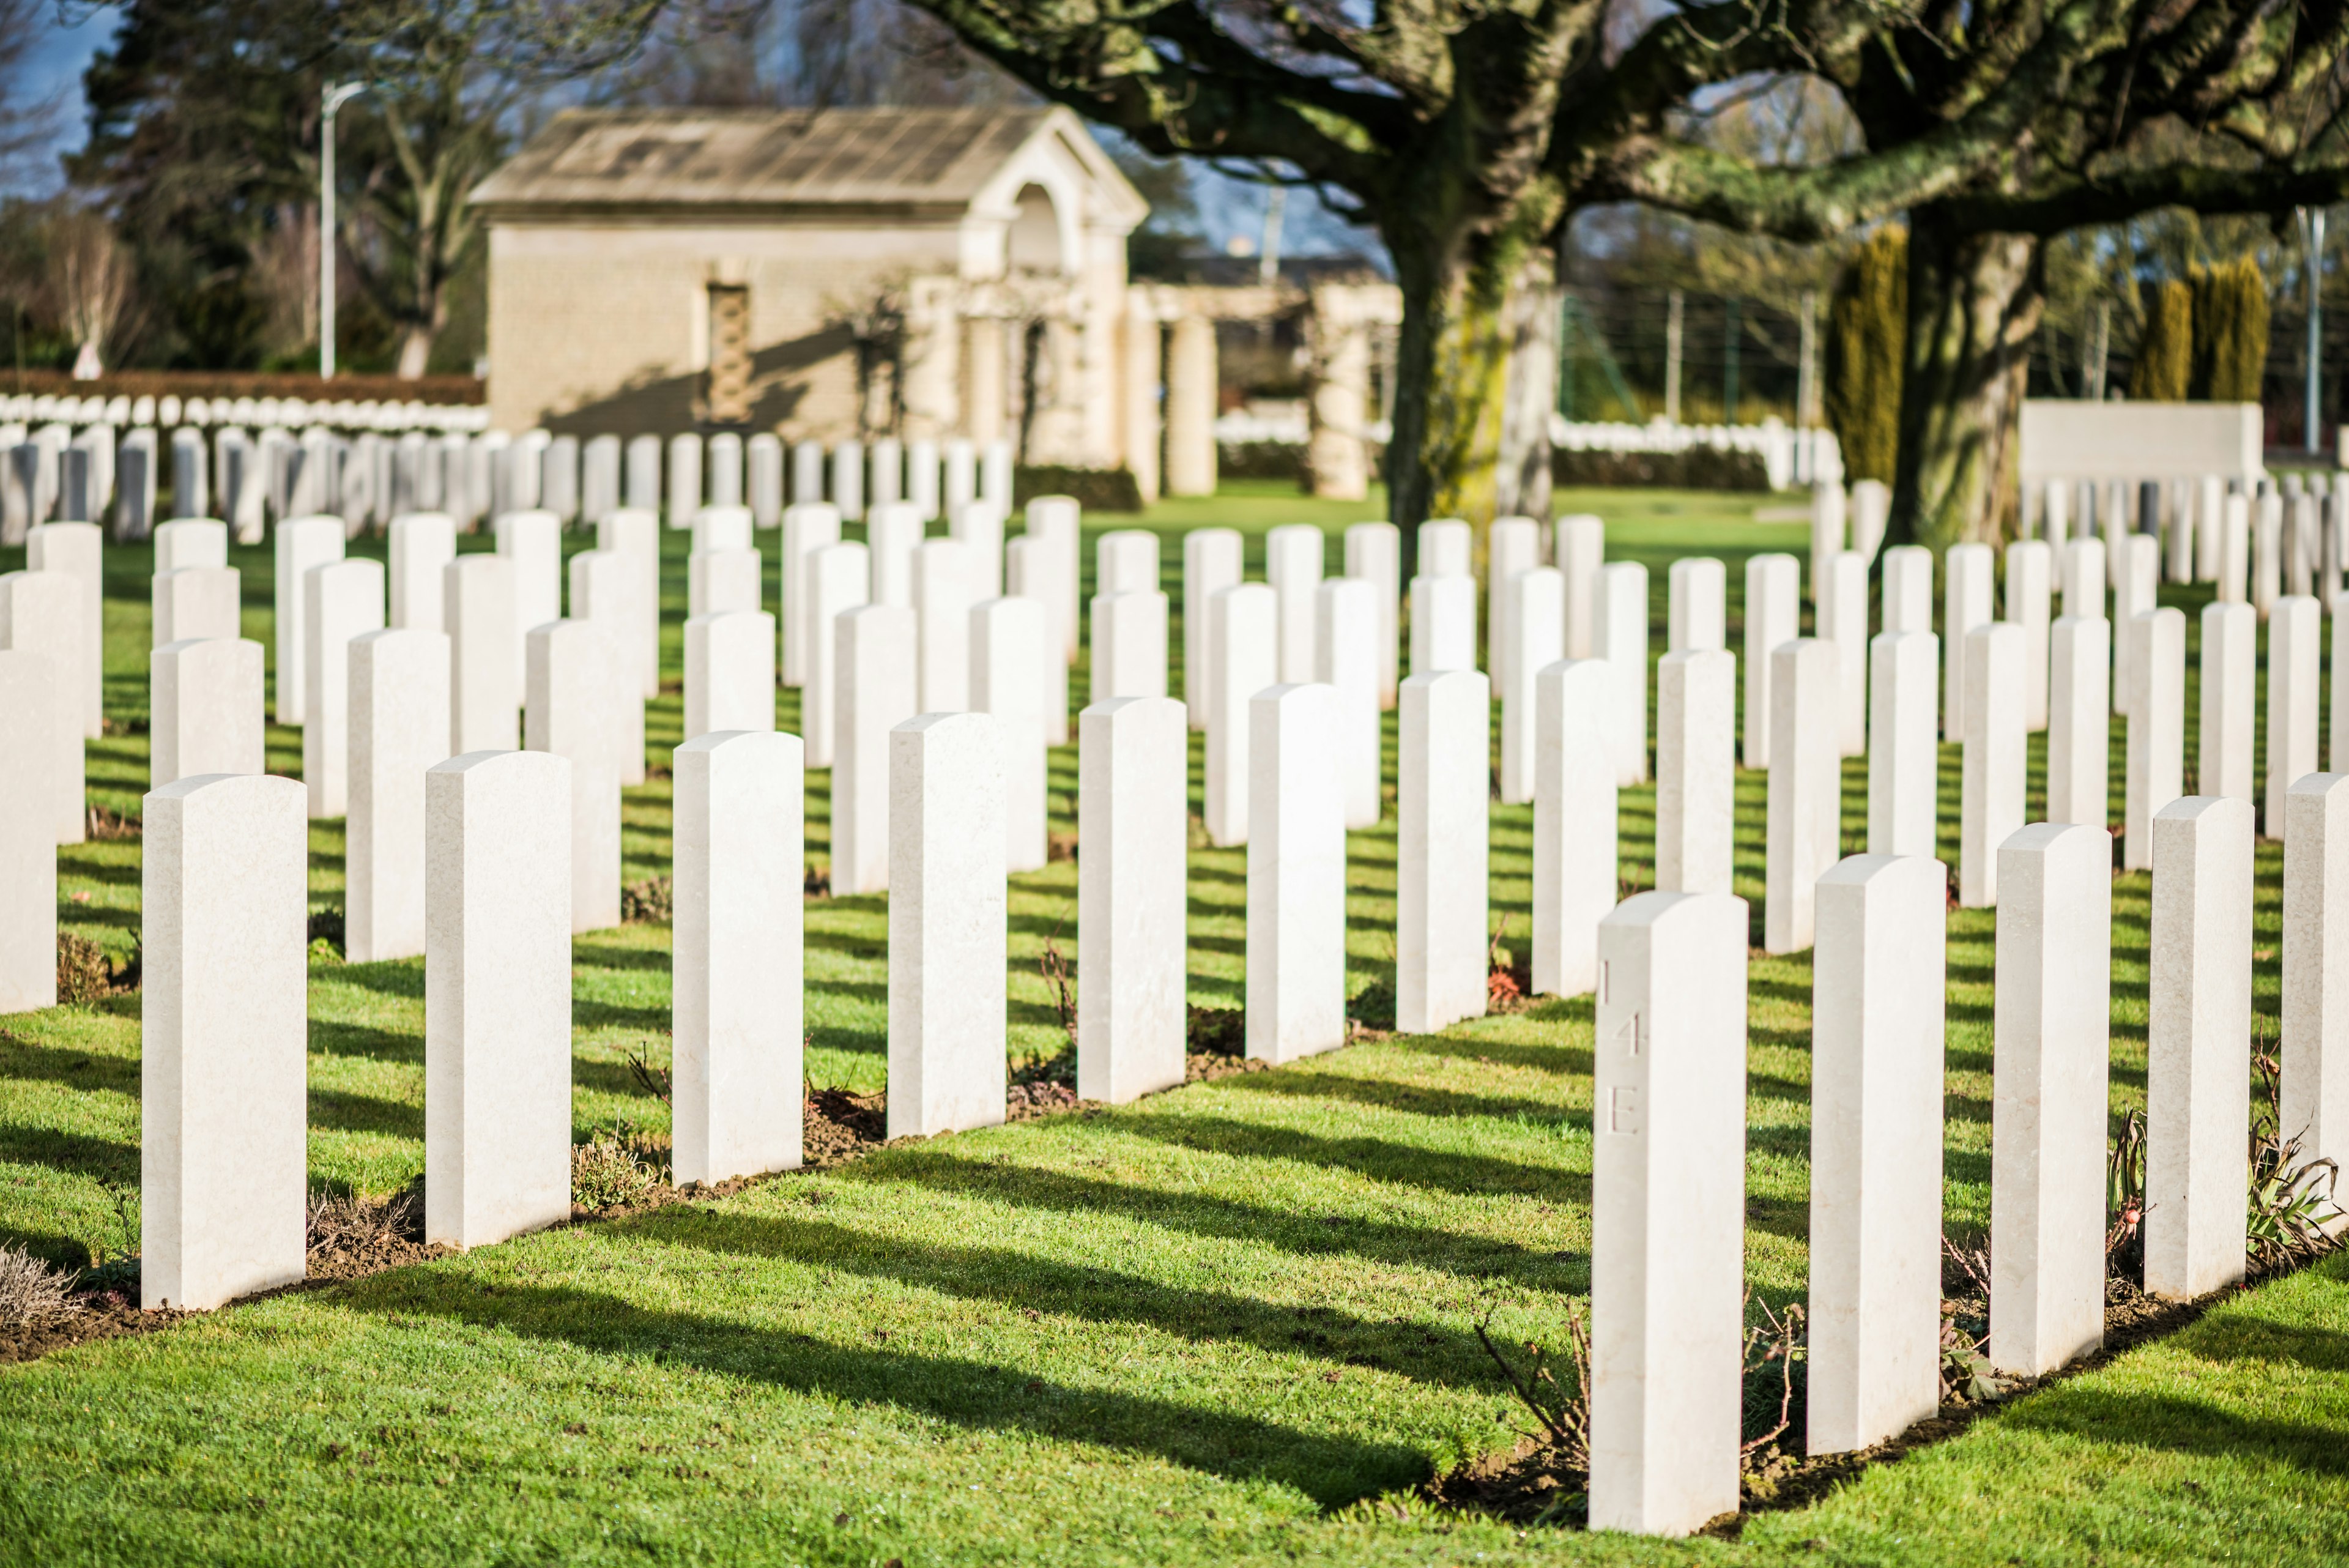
[(1231, 1322)]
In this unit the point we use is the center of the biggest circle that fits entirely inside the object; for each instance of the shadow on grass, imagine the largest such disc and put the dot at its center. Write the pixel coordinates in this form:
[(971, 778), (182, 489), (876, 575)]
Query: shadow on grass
[(1381, 1160), (1300, 1083)]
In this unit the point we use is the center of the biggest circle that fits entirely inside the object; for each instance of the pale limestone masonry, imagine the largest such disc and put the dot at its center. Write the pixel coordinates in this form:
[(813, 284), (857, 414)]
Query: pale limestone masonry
[(1132, 905), (398, 689), (302, 542), (1903, 759), (1443, 797), (1295, 875), (2314, 1052), (1773, 616), (1696, 770), (29, 853), (1242, 658)]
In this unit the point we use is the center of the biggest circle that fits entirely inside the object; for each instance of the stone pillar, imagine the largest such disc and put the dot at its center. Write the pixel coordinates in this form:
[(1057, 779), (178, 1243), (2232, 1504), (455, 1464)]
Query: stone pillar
[(1375, 553), (1443, 623), (78, 551), (225, 906), (1346, 626), (1129, 645), (634, 536), (808, 526), (400, 728), (946, 921), (497, 995), (717, 581), (1191, 394), (2230, 696), (1211, 563), (2084, 578), (1337, 458), (2295, 630), (1698, 612), (1806, 786), (1138, 393), (1696, 770), (1031, 572), (2051, 1015), (730, 672), (1535, 636), (837, 582), (485, 683), (878, 689), (2029, 599), (1295, 874), (942, 601), (736, 1002), (1843, 613), (532, 541), (1575, 872), (983, 348), (1620, 636), (302, 542), (1007, 665), (1965, 605), (1990, 795), (1441, 842), (604, 592), (1877, 981), (1292, 565), (1242, 658), (422, 545), (1580, 546), (1909, 592), (341, 600), (1773, 616), (205, 710), (1903, 760), (2156, 729), (1134, 820), (40, 613), (29, 716), (1668, 1160), (2198, 1072), (575, 675)]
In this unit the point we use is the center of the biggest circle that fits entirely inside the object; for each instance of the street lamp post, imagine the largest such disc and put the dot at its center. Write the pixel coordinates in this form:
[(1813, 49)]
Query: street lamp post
[(331, 101), (2311, 250)]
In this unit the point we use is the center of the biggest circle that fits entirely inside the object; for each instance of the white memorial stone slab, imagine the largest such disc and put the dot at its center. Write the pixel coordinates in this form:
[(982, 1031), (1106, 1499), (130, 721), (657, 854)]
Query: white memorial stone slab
[(1295, 874), (532, 541), (2295, 633), (875, 679), (604, 590), (398, 690), (1908, 590), (1134, 820), (1441, 802), (2229, 694), (205, 710), (29, 716), (574, 686), (78, 550), (719, 581), (1031, 572), (1806, 786), (1009, 658), (40, 613), (634, 534), (1211, 563), (1536, 639), (1994, 772), (1242, 658), (2029, 605), (1125, 561), (1696, 770), (2157, 730), (1375, 551), (1129, 645), (1621, 638), (942, 601), (1699, 604), (947, 914), (1292, 565), (1346, 630), (1579, 550), (2079, 719), (808, 526), (1903, 758), (341, 600), (302, 542), (730, 672), (1773, 616), (1443, 624), (1965, 605), (423, 544), (2314, 1056), (485, 682), (1843, 613)]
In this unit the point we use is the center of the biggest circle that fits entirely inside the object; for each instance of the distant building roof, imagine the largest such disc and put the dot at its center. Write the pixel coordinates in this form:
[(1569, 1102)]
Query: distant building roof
[(734, 158)]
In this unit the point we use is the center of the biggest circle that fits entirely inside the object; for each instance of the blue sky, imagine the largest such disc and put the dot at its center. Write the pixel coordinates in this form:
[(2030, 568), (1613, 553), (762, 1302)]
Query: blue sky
[(55, 70)]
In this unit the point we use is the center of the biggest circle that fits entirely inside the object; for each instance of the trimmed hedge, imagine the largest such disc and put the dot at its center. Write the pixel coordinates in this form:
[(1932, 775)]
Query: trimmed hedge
[(1094, 488), (1699, 468)]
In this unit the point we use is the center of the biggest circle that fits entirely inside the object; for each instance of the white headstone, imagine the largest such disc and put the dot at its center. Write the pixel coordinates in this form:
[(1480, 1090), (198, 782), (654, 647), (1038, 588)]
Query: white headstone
[(1133, 818), (684, 478), (1806, 789), (1346, 629), (1446, 548), (341, 600), (634, 534), (1512, 544), (875, 679), (736, 997), (808, 526), (1699, 604), (1872, 514), (532, 541), (1696, 770), (2051, 1018), (2295, 630), (2314, 1056), (2197, 1072), (2157, 730), (497, 995), (978, 525), (1667, 1317), (2211, 508), (807, 471), (2134, 593), (730, 672), (717, 581), (725, 454), (1125, 561), (2084, 578), (722, 527), (302, 542), (1441, 802), (29, 717), (1993, 774), (2029, 605), (423, 544), (41, 613), (1773, 616), (574, 681), (1292, 565), (889, 482), (1295, 874), (2229, 694), (1054, 523), (1903, 758), (1620, 636), (942, 601), (1242, 658), (485, 681), (2235, 552), (763, 455), (838, 580), (604, 590), (1829, 534), (2267, 555), (1965, 605), (1443, 624), (1009, 658), (1211, 563), (1029, 571), (1843, 613), (225, 906), (191, 542), (1575, 879), (893, 532), (1581, 544), (1375, 551), (1536, 639), (205, 709), (1129, 645), (196, 601), (959, 463), (947, 915), (848, 479), (1909, 589), (400, 728), (78, 551)]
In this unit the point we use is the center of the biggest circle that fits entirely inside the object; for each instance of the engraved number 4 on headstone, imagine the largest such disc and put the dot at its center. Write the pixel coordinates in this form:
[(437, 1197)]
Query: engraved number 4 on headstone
[(1630, 1036)]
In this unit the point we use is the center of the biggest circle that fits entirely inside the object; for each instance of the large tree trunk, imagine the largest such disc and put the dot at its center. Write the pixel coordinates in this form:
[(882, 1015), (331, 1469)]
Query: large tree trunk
[(1974, 301), (1525, 467)]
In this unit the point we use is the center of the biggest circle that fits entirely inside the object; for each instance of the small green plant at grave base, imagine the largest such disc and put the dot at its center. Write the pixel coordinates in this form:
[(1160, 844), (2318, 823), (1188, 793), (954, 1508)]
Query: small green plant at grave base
[(1966, 1372), (32, 1293), (1562, 1412), (125, 1221), (84, 972), (327, 934), (1773, 1348), (655, 1081), (606, 1171), (2124, 1203), (652, 899), (1053, 965), (2292, 1203), (1373, 1006)]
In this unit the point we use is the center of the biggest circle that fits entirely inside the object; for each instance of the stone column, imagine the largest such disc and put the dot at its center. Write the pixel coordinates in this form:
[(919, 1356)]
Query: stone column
[(497, 995), (1903, 760), (1990, 797), (1581, 544), (30, 716), (1138, 391), (1620, 636), (2295, 632), (1031, 572), (1877, 981), (422, 545), (2051, 1014), (40, 613), (341, 600), (1441, 840), (1134, 820), (1843, 612), (878, 690), (2198, 1072), (717, 581), (1698, 613), (1536, 639), (947, 922), (1908, 591), (1129, 645), (1337, 458), (573, 679), (736, 1002), (224, 906), (1374, 552), (1443, 623), (1292, 565), (1191, 394), (2029, 564), (78, 551), (808, 526), (942, 601), (1242, 658), (730, 672), (2230, 696), (2156, 729), (1666, 1317), (302, 542), (1773, 616), (1696, 770), (1806, 786), (1346, 626), (1965, 605), (1211, 563), (1295, 874), (1575, 874), (399, 727), (634, 536), (1008, 664), (485, 683)]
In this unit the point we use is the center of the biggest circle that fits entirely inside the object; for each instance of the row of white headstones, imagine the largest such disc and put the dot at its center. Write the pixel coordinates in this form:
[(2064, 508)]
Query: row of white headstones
[(476, 860)]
